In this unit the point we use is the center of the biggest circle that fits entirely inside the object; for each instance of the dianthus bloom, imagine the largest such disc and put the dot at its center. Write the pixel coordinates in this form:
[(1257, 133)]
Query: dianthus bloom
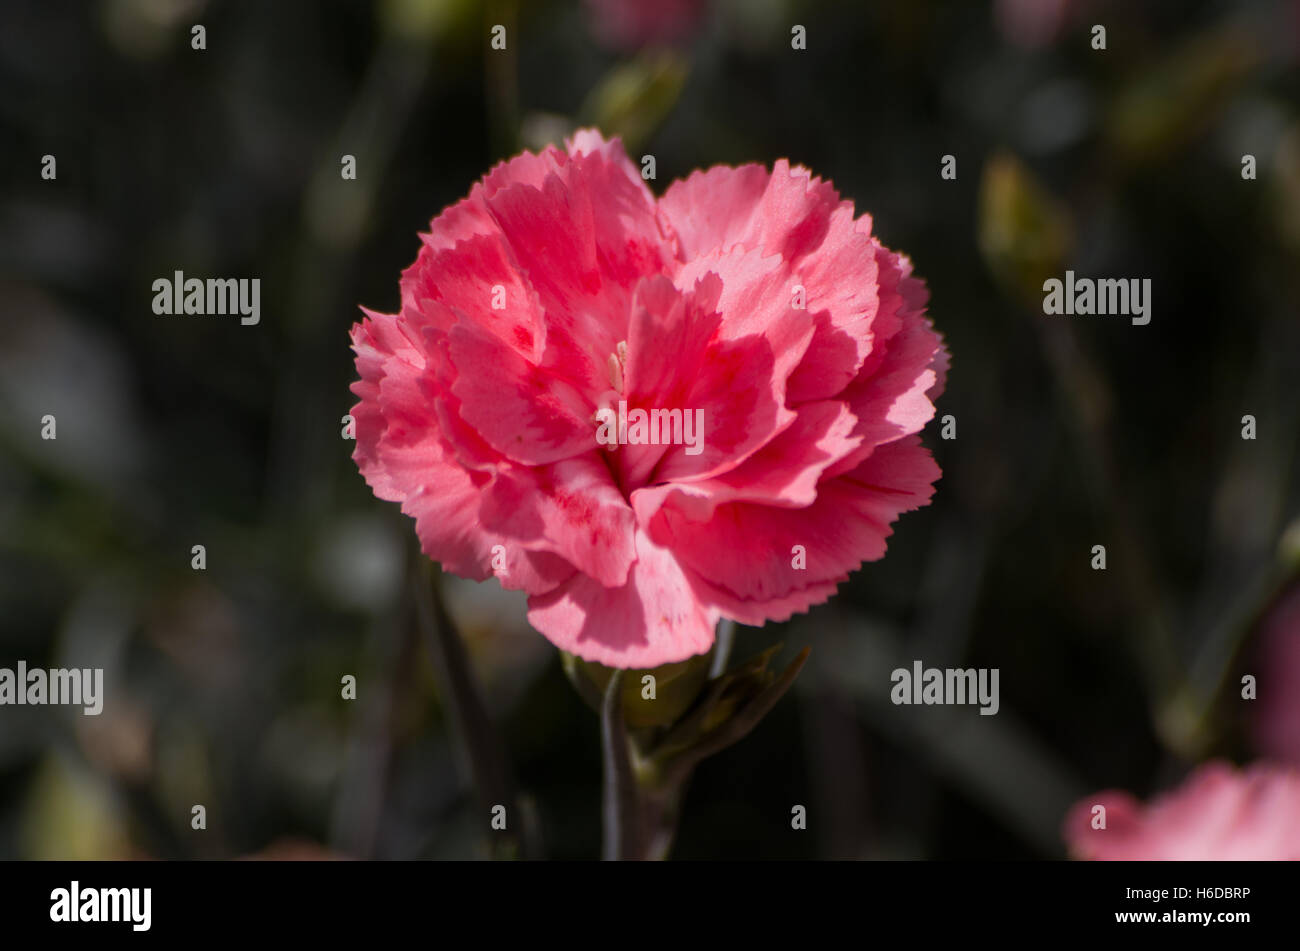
[(561, 293), (1219, 813)]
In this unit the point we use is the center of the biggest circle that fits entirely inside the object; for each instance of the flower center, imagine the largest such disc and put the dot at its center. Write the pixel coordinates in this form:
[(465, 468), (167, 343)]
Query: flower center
[(617, 364)]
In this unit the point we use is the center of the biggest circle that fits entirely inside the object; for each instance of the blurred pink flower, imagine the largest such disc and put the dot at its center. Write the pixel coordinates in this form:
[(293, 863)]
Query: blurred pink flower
[(1276, 713), (1219, 813), (559, 288), (631, 24), (1034, 24)]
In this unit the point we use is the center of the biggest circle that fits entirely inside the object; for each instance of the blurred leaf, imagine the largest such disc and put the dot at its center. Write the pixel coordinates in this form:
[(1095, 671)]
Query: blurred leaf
[(1025, 233), (634, 98), (422, 20), (1288, 548), (1180, 95), (71, 817)]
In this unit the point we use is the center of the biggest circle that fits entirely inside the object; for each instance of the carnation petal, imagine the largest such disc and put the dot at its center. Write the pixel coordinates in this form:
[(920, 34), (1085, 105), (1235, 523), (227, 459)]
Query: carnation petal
[(748, 549), (572, 508), (654, 619), (711, 210), (785, 472), (1218, 814), (517, 407)]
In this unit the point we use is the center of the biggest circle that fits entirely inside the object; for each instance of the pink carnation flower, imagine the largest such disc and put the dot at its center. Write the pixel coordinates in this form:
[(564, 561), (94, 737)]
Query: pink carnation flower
[(561, 287), (1219, 813)]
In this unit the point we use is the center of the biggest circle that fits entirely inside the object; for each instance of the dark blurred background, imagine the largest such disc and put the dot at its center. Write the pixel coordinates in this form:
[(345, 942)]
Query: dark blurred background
[(224, 684)]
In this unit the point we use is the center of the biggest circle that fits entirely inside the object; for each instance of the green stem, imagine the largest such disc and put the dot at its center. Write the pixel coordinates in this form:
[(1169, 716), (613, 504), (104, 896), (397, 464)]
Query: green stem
[(477, 737)]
